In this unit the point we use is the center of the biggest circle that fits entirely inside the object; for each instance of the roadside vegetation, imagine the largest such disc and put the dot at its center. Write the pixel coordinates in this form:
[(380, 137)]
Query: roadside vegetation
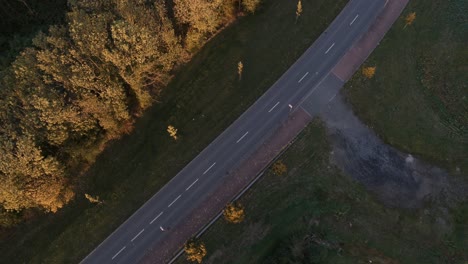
[(84, 82), (205, 96), (315, 214), (417, 99)]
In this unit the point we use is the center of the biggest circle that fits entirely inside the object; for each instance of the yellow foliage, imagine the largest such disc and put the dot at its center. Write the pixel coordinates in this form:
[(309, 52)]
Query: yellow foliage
[(172, 132), (279, 168), (299, 9), (240, 68), (92, 199), (29, 179), (368, 72), (251, 5), (410, 18), (195, 250), (234, 213)]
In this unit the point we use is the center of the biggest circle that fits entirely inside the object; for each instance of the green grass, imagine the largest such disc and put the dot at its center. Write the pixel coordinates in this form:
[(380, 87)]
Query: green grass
[(417, 100), (203, 99), (314, 214)]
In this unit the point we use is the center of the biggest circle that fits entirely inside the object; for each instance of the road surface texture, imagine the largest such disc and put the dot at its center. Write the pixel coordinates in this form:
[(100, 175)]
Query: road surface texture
[(157, 219)]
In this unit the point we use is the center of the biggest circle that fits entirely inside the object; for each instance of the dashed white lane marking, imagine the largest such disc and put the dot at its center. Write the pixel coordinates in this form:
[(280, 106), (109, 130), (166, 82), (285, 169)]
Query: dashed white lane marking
[(135, 237), (303, 77), (242, 137), (156, 217), (209, 168), (333, 97), (273, 107), (329, 48), (191, 185), (118, 252), (353, 20), (174, 200)]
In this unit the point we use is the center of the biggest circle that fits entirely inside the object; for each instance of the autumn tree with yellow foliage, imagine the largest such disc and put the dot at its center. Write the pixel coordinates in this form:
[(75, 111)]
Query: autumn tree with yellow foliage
[(298, 10), (172, 132), (240, 69), (368, 72), (195, 250), (234, 213), (251, 5), (410, 19), (279, 168), (84, 82)]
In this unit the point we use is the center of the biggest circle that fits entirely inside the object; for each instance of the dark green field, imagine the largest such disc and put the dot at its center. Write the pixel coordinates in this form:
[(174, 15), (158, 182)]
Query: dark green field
[(314, 214), (204, 98), (417, 100)]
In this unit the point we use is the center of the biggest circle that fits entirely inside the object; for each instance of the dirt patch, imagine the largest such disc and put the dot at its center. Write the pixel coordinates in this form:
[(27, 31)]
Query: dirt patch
[(397, 178)]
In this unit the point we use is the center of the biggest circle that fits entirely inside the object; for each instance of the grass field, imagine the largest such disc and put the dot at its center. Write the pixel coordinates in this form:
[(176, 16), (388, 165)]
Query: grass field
[(314, 214), (204, 98), (417, 100)]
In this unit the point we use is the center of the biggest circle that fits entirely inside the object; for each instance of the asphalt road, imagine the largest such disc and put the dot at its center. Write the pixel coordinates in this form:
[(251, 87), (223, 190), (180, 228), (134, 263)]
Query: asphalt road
[(169, 206)]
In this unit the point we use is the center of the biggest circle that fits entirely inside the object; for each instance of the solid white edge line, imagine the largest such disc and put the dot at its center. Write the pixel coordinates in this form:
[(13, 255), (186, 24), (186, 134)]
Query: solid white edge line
[(354, 19), (174, 200), (242, 137), (209, 168), (119, 252), (137, 235), (273, 107), (156, 217), (191, 185), (303, 77)]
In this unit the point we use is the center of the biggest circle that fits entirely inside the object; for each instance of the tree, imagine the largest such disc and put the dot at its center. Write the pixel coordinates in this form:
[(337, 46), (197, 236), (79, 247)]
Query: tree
[(172, 132), (204, 16), (251, 5), (201, 18), (234, 213), (410, 19), (279, 168), (298, 10), (144, 48), (240, 68), (93, 199), (30, 179), (195, 250), (368, 72)]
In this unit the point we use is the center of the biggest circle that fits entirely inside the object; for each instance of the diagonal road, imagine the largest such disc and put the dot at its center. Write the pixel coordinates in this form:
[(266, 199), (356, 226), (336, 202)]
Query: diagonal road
[(129, 242)]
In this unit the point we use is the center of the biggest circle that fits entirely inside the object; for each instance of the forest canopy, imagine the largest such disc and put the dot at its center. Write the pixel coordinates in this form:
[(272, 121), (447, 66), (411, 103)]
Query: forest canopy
[(84, 82)]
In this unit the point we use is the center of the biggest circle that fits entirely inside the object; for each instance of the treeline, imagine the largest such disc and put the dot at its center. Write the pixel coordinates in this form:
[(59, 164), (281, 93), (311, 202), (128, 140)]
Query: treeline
[(83, 83)]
